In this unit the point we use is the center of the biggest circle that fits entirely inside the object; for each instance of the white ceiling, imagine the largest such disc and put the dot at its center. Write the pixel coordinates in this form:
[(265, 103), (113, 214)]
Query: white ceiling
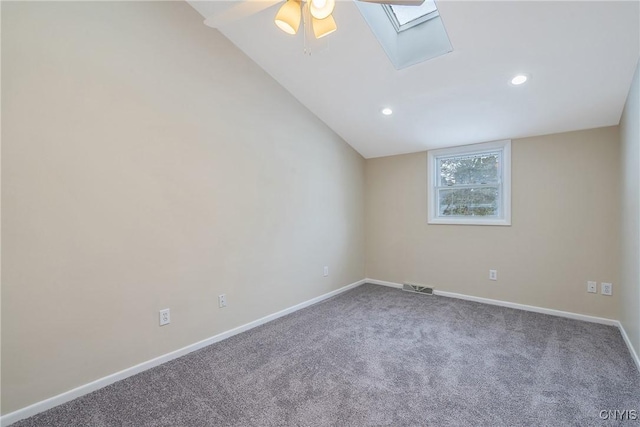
[(581, 57)]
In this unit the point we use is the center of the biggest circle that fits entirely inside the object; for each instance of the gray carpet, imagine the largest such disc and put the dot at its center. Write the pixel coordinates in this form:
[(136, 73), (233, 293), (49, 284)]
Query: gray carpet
[(380, 356)]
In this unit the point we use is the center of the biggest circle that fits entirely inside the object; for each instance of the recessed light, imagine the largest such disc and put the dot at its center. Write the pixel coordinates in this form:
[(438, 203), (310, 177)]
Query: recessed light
[(519, 79), (387, 111)]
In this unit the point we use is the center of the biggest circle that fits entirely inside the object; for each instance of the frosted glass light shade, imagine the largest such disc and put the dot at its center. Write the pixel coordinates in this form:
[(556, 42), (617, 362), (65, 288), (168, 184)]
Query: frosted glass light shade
[(321, 9), (323, 27), (288, 17)]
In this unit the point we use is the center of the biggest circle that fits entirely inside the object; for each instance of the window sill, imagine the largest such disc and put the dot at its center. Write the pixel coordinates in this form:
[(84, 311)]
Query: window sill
[(468, 221)]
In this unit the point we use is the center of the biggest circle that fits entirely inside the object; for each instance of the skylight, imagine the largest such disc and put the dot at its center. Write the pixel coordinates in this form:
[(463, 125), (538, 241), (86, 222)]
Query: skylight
[(405, 17), (408, 34)]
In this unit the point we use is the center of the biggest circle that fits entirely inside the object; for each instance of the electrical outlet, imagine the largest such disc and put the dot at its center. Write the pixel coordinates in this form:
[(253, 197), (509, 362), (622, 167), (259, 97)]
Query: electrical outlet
[(325, 271), (493, 274), (606, 288), (165, 317), (592, 287), (222, 301)]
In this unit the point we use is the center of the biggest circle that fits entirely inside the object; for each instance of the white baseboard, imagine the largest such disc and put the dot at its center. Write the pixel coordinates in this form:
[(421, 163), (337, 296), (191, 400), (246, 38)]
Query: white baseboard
[(626, 339), (533, 308), (552, 312), (517, 306), (67, 396), (383, 283)]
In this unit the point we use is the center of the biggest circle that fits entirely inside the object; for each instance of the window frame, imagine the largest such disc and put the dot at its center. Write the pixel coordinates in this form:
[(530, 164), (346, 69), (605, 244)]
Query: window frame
[(504, 184), (416, 21)]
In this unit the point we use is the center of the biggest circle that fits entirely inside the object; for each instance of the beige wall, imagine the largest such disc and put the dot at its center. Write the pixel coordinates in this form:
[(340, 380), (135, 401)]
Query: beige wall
[(147, 163), (630, 214), (564, 227)]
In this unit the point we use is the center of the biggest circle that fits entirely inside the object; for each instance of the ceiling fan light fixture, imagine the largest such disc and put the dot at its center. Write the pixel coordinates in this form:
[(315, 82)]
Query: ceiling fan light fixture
[(321, 9), (323, 27), (289, 16)]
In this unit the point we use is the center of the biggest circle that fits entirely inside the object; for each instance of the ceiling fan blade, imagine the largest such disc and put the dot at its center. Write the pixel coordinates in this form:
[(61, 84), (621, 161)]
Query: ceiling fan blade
[(397, 2)]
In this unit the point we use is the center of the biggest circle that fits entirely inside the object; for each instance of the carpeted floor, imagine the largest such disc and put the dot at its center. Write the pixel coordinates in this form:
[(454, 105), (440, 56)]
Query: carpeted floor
[(381, 356)]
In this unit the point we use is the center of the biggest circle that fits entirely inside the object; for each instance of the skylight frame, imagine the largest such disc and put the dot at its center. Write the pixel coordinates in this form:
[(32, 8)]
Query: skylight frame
[(402, 27), (406, 48)]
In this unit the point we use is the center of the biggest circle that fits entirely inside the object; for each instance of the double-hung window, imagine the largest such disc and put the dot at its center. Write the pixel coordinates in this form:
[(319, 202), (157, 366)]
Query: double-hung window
[(470, 184)]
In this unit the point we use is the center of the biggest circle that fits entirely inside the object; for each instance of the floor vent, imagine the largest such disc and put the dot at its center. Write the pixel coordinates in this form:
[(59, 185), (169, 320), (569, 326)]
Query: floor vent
[(410, 287)]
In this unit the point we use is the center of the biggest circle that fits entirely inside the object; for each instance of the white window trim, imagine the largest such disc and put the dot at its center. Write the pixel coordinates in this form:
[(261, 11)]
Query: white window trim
[(432, 170), (417, 21)]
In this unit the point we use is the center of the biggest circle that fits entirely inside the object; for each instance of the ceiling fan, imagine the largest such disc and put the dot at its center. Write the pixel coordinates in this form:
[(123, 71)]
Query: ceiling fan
[(318, 13)]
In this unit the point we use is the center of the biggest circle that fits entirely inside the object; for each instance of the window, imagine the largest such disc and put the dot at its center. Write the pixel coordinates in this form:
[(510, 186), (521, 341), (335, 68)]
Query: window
[(408, 34), (405, 17), (470, 184)]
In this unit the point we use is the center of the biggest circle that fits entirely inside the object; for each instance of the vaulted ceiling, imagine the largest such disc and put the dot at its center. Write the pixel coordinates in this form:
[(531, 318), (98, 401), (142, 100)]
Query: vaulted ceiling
[(580, 55)]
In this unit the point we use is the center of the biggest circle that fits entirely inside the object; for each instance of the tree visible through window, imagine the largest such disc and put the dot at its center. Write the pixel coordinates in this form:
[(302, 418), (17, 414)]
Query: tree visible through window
[(468, 184), (472, 185)]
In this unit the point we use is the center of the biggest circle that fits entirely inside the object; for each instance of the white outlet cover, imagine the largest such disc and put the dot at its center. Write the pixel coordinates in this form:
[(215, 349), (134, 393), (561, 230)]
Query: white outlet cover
[(165, 317), (592, 287), (493, 274), (606, 288), (325, 271), (222, 300)]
